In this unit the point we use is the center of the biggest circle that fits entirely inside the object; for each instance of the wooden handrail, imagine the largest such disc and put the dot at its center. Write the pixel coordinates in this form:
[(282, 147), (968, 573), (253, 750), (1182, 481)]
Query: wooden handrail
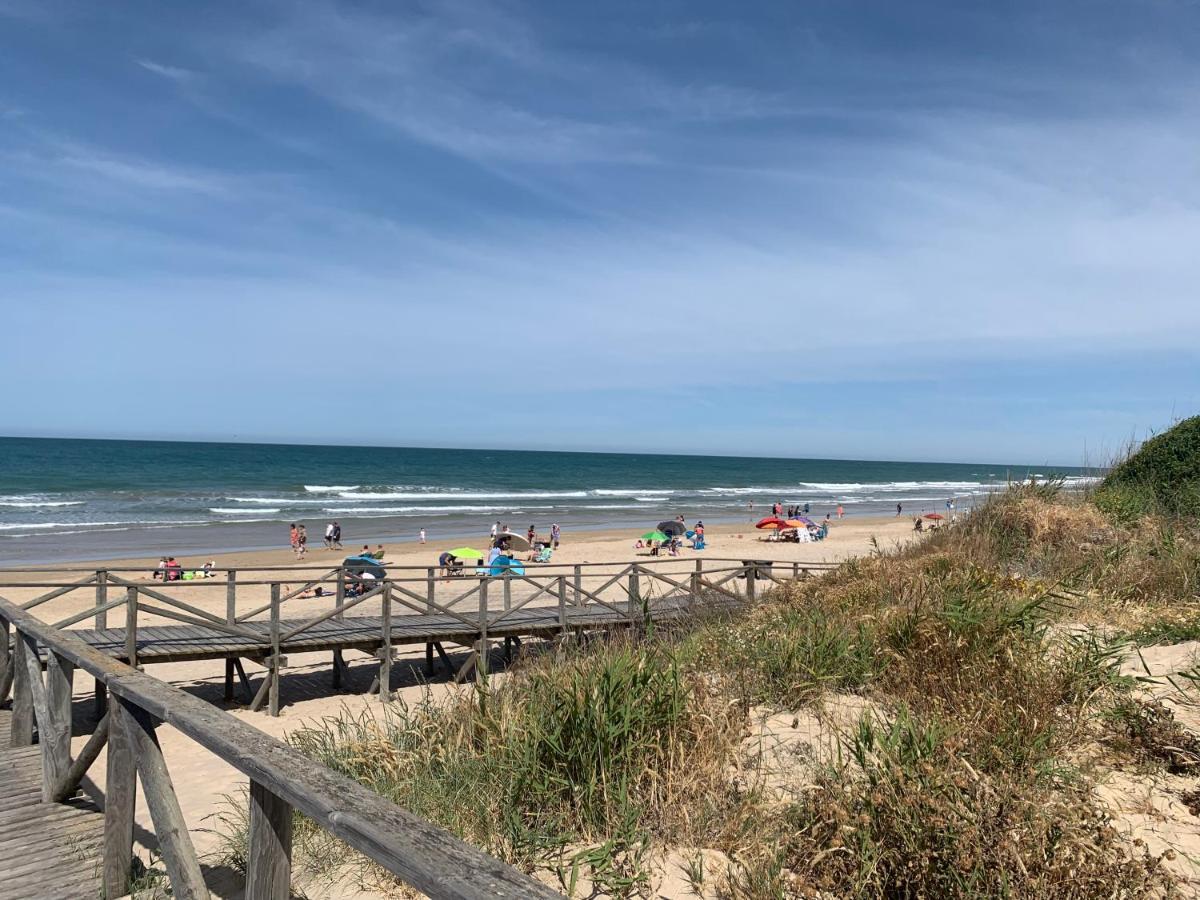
[(421, 854)]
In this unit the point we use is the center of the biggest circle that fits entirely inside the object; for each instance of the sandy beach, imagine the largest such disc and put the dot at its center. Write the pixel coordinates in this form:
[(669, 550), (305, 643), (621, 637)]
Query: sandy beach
[(202, 781)]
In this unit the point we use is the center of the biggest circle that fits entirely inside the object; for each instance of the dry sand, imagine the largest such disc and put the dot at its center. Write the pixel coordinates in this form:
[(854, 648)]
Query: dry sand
[(201, 780)]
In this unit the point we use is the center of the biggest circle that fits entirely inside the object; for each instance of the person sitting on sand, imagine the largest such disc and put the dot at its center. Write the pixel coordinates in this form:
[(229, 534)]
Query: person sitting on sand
[(639, 545), (918, 526), (161, 571), (207, 569), (378, 554), (173, 570)]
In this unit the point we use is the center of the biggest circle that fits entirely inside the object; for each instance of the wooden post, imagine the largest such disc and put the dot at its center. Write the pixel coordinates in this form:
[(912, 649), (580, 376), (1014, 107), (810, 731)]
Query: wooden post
[(578, 585), (269, 855), (273, 674), (56, 736), (231, 618), (481, 659), (795, 570), (635, 595), (430, 582), (22, 705), (339, 598), (6, 668), (697, 577), (385, 651), (170, 828), (100, 703), (507, 607), (751, 576), (562, 605), (131, 611), (120, 796)]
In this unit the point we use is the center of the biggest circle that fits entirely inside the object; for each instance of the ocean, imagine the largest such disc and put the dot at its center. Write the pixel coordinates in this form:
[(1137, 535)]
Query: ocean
[(74, 500)]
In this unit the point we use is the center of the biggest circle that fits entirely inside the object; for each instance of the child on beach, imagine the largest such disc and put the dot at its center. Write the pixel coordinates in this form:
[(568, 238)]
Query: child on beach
[(301, 541), (293, 535), (421, 535)]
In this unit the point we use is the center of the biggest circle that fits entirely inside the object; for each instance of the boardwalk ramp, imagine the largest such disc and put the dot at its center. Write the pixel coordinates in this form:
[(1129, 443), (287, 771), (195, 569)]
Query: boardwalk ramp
[(47, 850)]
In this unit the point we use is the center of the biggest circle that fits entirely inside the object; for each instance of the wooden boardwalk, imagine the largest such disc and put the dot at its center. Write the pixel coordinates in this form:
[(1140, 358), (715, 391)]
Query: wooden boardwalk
[(179, 643), (47, 850)]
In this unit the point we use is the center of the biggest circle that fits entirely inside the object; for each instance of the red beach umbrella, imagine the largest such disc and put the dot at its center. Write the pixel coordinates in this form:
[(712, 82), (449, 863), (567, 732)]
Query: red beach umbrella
[(771, 522), (934, 516)]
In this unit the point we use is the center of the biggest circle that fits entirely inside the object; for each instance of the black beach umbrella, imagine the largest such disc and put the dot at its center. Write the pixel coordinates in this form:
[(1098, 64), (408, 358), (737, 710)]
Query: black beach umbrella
[(672, 528)]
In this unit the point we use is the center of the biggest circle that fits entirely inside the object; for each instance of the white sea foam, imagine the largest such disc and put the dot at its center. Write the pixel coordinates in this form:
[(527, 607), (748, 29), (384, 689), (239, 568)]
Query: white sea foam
[(254, 511), (461, 495), (32, 504), (417, 510), (42, 526), (329, 488)]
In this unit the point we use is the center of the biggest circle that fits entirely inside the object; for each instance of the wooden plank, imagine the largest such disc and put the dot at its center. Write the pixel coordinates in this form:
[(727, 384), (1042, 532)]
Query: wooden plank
[(269, 856), (187, 881)]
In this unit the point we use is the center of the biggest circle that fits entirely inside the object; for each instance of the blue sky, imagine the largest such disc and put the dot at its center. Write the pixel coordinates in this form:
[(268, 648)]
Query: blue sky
[(883, 230)]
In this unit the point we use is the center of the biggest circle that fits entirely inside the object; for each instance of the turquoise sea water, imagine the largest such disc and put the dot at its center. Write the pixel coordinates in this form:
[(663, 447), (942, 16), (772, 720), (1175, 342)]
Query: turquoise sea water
[(84, 499)]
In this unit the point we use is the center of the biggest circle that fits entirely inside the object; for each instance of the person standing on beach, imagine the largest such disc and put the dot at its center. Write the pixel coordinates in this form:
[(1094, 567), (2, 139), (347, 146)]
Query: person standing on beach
[(294, 536), (329, 536), (337, 535), (841, 512), (495, 529), (899, 509), (421, 533), (806, 508), (301, 541), (531, 534), (555, 534)]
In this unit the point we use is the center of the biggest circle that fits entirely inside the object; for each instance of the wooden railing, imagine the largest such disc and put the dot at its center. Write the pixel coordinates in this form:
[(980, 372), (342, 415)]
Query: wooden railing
[(281, 779), (625, 594)]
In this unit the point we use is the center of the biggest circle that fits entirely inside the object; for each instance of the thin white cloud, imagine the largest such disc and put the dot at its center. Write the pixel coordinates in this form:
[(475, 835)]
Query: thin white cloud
[(174, 73)]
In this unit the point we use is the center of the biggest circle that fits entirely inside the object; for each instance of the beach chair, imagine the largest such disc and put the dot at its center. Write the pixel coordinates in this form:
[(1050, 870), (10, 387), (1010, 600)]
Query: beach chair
[(543, 555)]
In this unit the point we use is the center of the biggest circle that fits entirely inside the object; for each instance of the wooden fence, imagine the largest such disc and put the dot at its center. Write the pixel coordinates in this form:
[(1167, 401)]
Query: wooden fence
[(281, 779), (410, 605)]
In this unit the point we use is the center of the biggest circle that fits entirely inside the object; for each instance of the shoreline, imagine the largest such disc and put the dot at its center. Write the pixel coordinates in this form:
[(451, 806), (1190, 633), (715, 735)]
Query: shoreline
[(848, 536), (605, 531)]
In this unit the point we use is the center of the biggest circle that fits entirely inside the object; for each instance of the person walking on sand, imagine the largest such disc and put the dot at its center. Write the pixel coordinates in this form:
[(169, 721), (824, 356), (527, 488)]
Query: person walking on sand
[(301, 541), (294, 535), (555, 535), (329, 536), (421, 534), (337, 535)]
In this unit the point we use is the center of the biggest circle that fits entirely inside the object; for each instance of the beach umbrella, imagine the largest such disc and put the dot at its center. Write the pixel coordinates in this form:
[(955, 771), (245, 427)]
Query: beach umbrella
[(934, 516), (654, 536), (771, 522), (672, 527), (363, 565), (466, 553), (800, 522), (514, 541)]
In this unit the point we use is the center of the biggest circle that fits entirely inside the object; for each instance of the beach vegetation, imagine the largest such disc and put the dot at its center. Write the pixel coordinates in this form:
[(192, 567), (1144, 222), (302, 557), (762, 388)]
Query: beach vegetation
[(991, 662)]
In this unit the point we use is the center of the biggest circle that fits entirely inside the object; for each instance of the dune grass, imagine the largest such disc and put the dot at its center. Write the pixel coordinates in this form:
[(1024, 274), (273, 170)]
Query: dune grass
[(971, 780)]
